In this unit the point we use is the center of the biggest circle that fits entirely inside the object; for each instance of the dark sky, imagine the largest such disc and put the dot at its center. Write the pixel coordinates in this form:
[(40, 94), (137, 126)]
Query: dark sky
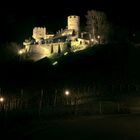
[(18, 21)]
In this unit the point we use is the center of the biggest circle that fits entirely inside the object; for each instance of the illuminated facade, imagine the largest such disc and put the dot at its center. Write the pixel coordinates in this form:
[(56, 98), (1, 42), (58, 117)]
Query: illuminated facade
[(48, 45), (74, 24)]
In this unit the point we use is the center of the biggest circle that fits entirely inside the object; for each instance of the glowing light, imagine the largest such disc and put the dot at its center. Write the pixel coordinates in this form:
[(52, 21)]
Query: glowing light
[(65, 53), (20, 52), (1, 99), (98, 39), (55, 63), (92, 40), (67, 93)]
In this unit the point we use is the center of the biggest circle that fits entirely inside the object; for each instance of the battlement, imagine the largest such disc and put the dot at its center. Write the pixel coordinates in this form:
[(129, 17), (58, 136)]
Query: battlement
[(73, 16), (39, 32)]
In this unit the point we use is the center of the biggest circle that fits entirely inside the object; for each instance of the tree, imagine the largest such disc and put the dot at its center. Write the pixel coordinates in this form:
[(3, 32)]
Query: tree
[(9, 51), (98, 26)]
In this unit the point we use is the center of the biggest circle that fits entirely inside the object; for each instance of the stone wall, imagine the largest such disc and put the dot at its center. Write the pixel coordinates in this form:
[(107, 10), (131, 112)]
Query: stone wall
[(46, 50)]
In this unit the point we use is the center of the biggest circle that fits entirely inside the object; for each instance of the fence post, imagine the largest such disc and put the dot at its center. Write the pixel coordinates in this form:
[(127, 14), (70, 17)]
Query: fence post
[(100, 107), (40, 103), (21, 99)]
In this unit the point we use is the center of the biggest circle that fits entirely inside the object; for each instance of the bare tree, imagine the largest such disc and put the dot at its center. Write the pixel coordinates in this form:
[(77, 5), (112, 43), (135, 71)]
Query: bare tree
[(98, 26)]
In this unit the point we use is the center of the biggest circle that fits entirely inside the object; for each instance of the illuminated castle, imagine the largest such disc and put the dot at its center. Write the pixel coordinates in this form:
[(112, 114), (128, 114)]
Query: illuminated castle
[(48, 45)]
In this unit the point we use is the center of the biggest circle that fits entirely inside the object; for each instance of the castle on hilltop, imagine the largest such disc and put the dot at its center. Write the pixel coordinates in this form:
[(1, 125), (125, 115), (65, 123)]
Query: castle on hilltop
[(70, 39)]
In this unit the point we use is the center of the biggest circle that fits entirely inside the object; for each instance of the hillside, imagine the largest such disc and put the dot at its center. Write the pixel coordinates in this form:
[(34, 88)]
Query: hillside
[(102, 63)]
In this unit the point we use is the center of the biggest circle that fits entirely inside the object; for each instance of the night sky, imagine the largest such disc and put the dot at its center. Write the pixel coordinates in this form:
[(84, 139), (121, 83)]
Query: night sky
[(18, 21)]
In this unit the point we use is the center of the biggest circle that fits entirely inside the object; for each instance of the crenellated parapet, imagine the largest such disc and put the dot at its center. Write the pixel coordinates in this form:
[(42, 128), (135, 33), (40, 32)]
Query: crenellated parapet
[(39, 33)]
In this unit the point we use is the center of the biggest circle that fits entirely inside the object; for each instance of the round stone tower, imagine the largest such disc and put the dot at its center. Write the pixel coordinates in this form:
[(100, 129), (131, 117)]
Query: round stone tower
[(74, 23)]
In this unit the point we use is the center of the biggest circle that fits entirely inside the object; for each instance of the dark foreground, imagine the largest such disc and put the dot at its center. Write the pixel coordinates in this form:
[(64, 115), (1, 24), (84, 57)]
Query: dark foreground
[(99, 127)]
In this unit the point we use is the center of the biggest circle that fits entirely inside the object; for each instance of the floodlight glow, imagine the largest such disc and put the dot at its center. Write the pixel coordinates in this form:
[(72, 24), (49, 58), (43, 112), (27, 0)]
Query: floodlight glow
[(55, 63), (67, 92), (1, 99), (65, 53), (20, 52)]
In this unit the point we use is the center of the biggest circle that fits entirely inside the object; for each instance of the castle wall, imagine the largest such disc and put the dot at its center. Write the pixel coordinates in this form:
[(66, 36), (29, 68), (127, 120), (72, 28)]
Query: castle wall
[(39, 51), (79, 44)]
